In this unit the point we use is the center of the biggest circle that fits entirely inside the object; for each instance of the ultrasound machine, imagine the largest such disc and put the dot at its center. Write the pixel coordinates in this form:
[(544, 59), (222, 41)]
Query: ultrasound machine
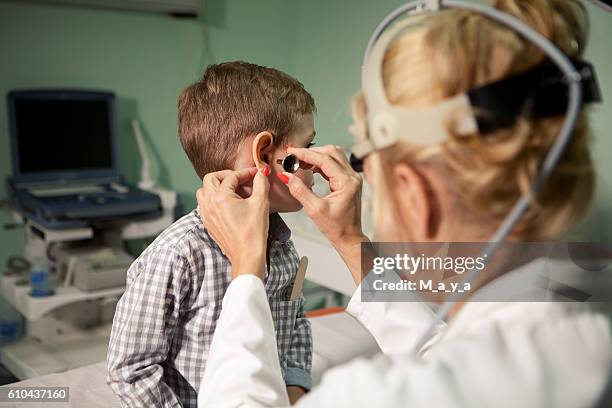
[(65, 160)]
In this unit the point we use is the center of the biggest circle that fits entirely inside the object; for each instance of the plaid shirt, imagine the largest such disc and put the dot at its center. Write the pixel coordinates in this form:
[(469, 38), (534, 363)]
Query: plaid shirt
[(165, 321)]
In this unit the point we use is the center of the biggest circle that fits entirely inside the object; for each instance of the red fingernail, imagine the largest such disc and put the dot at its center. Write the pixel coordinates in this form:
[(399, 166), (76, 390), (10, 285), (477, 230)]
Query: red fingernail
[(282, 177), (265, 171)]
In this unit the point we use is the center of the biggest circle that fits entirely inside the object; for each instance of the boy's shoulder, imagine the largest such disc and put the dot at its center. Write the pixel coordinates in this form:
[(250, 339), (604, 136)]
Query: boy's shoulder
[(185, 238)]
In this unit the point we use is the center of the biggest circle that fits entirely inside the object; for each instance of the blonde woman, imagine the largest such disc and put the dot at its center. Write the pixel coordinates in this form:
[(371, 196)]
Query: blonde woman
[(486, 354)]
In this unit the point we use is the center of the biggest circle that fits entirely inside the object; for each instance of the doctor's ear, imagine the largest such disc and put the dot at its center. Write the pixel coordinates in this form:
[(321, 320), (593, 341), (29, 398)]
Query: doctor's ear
[(263, 146), (416, 201)]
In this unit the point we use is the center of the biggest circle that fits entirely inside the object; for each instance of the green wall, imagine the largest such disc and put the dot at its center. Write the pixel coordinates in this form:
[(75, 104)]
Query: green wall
[(148, 58)]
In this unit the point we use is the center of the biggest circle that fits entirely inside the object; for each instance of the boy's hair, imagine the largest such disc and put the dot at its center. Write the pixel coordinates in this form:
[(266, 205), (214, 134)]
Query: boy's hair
[(234, 100)]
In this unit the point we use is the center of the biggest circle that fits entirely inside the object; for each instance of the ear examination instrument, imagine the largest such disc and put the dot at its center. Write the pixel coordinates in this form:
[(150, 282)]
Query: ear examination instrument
[(291, 164)]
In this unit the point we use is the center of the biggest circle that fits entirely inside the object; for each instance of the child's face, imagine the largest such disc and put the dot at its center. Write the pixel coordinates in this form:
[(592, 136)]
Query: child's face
[(302, 136)]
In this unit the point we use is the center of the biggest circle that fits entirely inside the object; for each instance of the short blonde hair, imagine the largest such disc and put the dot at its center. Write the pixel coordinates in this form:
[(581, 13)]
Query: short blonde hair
[(455, 50)]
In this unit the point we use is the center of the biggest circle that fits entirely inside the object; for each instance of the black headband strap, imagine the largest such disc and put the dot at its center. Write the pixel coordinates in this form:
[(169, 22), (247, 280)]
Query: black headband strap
[(539, 92)]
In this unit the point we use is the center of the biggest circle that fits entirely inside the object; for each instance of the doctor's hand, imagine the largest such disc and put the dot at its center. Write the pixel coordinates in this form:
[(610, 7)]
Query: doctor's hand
[(338, 214), (238, 225)]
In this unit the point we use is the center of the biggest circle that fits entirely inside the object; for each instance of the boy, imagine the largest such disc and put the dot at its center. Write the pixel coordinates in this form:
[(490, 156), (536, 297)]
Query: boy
[(238, 115)]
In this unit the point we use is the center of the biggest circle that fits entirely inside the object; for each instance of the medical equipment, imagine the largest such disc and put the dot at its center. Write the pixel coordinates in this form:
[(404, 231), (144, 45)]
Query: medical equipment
[(70, 327), (384, 121), (356, 163), (291, 163), (146, 183), (604, 4), (65, 160), (502, 101), (92, 267)]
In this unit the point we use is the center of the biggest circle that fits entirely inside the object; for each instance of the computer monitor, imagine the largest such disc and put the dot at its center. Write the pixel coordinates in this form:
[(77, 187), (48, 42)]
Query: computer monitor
[(63, 136)]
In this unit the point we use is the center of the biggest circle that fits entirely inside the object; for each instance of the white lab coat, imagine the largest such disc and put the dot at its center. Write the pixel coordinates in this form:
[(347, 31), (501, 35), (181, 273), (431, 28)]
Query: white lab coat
[(490, 355)]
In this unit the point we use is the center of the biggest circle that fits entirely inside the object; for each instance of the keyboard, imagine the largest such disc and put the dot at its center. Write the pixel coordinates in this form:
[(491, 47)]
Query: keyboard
[(51, 191)]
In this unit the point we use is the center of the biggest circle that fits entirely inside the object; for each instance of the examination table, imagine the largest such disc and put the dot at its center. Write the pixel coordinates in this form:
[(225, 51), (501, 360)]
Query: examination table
[(337, 338)]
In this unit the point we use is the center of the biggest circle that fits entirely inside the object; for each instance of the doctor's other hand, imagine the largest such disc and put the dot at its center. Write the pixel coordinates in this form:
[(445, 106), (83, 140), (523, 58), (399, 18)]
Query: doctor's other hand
[(338, 214), (238, 225)]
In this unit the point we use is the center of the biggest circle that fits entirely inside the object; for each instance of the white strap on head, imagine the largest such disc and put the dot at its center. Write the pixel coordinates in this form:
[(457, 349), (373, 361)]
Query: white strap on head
[(387, 123)]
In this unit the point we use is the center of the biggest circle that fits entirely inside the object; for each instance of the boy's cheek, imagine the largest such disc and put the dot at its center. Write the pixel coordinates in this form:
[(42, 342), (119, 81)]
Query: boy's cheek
[(281, 199), (307, 178)]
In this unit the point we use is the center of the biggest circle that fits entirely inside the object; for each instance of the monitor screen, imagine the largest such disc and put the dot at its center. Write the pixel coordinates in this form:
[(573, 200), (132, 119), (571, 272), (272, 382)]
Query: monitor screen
[(62, 135)]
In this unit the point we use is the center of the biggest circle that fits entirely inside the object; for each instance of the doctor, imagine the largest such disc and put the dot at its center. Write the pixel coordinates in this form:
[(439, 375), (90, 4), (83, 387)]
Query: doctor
[(435, 179)]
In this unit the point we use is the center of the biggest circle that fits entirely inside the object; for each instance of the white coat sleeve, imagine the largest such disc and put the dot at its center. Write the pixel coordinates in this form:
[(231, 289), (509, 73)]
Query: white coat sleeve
[(396, 326), (243, 368)]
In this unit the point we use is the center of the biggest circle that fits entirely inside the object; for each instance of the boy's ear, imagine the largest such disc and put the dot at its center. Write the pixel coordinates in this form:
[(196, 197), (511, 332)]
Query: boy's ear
[(263, 145)]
